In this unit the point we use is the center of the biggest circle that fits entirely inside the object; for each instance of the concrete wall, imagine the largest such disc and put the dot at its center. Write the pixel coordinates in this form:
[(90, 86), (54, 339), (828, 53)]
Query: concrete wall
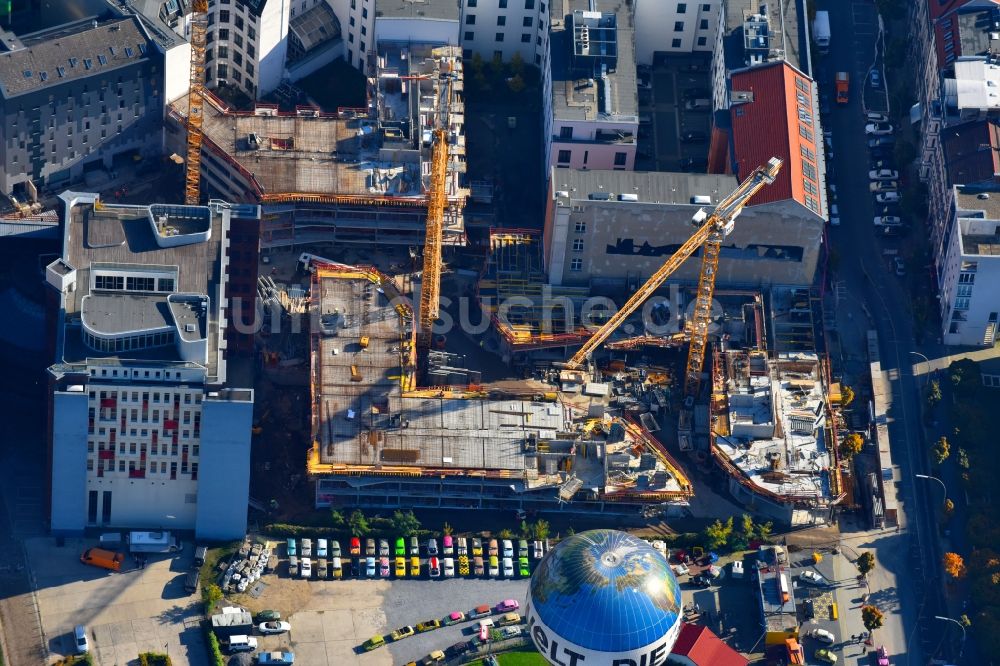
[(224, 486), (176, 73), (609, 227), (69, 462), (656, 22), (424, 30), (273, 45)]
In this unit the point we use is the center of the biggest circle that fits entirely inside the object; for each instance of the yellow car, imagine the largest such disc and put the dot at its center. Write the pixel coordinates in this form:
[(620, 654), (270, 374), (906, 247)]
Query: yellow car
[(414, 567), (463, 565), (477, 547), (400, 567)]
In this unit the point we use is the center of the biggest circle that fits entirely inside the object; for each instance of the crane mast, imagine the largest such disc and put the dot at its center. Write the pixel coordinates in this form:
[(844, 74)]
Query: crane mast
[(192, 176), (713, 228), (437, 200)]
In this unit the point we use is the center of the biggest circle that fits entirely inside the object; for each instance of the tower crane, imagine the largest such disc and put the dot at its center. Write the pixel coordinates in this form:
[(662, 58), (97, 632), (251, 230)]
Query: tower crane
[(192, 176), (437, 200), (713, 228)]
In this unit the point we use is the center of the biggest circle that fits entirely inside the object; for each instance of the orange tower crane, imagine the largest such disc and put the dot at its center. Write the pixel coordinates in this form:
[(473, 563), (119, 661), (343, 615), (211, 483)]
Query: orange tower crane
[(711, 230), (437, 201), (192, 177)]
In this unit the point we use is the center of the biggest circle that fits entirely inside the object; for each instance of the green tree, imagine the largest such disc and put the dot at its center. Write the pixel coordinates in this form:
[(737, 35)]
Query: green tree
[(447, 529), (506, 534), (337, 519), (764, 530), (405, 523), (963, 459), (846, 395), (717, 534), (542, 529), (941, 450), (358, 523), (570, 531), (526, 530), (516, 65), (211, 594), (933, 393), (851, 446), (740, 538), (865, 563), (872, 617)]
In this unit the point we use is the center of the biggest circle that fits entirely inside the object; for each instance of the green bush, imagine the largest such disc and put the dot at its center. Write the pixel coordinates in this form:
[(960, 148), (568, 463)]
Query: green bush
[(154, 659), (212, 643)]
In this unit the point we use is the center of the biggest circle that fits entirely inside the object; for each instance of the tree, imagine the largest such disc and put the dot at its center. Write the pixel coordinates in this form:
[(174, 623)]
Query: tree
[(570, 531), (954, 565), (447, 529), (506, 533), (740, 539), (872, 617), (933, 393), (405, 523), (515, 83), (764, 530), (963, 459), (865, 562), (358, 523), (941, 450), (526, 530), (336, 519), (211, 594), (851, 446), (949, 507), (717, 534), (846, 395), (542, 529), (516, 65)]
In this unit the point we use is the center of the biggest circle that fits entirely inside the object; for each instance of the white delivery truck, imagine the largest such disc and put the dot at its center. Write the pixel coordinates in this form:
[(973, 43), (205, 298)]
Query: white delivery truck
[(153, 542), (821, 31)]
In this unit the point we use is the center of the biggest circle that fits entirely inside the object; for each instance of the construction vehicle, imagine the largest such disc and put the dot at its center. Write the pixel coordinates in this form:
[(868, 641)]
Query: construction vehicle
[(196, 99), (843, 83), (712, 228)]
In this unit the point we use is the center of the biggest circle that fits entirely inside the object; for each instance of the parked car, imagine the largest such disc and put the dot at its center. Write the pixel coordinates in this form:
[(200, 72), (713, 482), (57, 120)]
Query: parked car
[(477, 547), (887, 197), (883, 174), (510, 632), (307, 547), (494, 549), (477, 566), (356, 567), (485, 626), (873, 117), (823, 654), (400, 549), (538, 550), (305, 568), (241, 643), (508, 548), (480, 611), (370, 547), (321, 548), (508, 567), (888, 221), (428, 625), (701, 581), (834, 215), (432, 547), (336, 569), (881, 141), (494, 567), (414, 546), (447, 545), (822, 635), (812, 577), (523, 569), (322, 568), (879, 164), (267, 616), (401, 633), (370, 567), (373, 642), (455, 617), (355, 546), (458, 649), (449, 567), (383, 548), (383, 567), (400, 567), (522, 548), (899, 265), (876, 81), (883, 186), (276, 658), (461, 546), (414, 567), (275, 627), (433, 567), (335, 548), (463, 565), (507, 605), (882, 656), (80, 641), (290, 547), (878, 129)]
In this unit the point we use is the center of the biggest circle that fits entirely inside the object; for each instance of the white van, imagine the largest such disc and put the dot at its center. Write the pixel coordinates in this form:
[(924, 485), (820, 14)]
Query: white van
[(242, 643)]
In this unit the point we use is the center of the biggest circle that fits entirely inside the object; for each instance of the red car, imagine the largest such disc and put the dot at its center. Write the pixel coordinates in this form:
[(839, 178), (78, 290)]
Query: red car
[(355, 546), (883, 657)]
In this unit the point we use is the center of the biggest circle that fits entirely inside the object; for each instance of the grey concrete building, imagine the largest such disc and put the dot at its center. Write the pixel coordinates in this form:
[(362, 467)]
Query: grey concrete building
[(618, 227), (78, 97)]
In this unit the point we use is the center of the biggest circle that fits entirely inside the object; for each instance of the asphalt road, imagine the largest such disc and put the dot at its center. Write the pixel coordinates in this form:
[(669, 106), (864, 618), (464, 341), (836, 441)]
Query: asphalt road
[(864, 275)]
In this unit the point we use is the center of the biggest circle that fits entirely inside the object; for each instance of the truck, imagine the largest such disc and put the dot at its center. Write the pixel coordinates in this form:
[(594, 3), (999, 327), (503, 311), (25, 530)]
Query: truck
[(107, 559), (821, 31), (232, 622), (152, 542), (843, 83)]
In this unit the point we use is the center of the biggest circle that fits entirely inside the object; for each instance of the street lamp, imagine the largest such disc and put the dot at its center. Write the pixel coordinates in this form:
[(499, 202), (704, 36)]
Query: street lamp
[(944, 489), (927, 365), (960, 626)]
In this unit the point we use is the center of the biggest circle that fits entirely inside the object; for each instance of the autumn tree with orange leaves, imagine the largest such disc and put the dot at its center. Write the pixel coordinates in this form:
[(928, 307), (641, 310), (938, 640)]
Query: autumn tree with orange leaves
[(954, 565)]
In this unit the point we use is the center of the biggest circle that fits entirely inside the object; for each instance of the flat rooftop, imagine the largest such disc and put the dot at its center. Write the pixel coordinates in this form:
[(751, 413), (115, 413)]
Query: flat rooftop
[(657, 187), (977, 202), (425, 9), (367, 421), (776, 594), (976, 85), (776, 35), (579, 91), (773, 425)]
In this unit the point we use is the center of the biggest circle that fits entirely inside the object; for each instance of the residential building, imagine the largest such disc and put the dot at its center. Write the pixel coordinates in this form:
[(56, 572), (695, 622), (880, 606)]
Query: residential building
[(502, 28), (147, 430), (971, 267), (75, 98), (379, 442), (619, 227), (675, 27), (352, 176), (591, 119), (696, 645), (967, 29)]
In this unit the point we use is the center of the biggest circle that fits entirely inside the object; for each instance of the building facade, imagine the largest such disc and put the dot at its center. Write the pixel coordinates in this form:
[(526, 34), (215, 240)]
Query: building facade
[(76, 98), (674, 27), (503, 28), (146, 430)]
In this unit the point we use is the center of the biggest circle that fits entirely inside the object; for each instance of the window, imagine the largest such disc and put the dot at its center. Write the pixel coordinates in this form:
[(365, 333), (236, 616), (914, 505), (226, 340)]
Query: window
[(224, 33), (966, 278), (805, 133), (706, 7), (576, 265), (503, 4), (682, 8), (352, 21), (808, 170), (251, 33), (470, 19), (702, 41), (703, 25), (807, 153), (564, 157), (208, 55), (222, 72), (238, 58), (471, 3), (501, 20), (223, 51), (526, 38), (527, 22), (87, 63), (251, 51), (580, 227), (620, 159), (249, 68), (675, 43), (139, 284), (364, 30), (529, 4), (499, 37), (101, 59), (565, 132), (678, 26), (812, 204), (962, 303), (224, 16), (238, 40), (964, 290), (239, 22), (578, 245), (469, 35), (350, 38)]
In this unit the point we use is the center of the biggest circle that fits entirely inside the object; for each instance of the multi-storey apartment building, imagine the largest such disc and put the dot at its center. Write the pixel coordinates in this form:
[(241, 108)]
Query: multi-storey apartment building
[(78, 97), (674, 27), (146, 430), (247, 43), (501, 28)]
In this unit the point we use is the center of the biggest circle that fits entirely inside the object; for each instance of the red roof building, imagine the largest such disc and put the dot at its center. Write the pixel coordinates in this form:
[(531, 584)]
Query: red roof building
[(964, 28), (698, 646), (773, 113)]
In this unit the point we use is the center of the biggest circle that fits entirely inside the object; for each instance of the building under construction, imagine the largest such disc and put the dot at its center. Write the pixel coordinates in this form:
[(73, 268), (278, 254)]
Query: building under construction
[(379, 441), (344, 176)]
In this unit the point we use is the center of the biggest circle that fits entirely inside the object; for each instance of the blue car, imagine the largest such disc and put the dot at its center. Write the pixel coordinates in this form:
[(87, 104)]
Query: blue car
[(276, 658), (291, 547)]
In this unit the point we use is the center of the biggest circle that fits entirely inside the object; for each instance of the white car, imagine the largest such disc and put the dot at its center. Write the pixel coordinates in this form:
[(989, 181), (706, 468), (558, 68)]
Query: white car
[(80, 638), (812, 578), (822, 635), (449, 567), (878, 129), (539, 552), (876, 117), (883, 186), (508, 548), (305, 568), (887, 197), (273, 627), (883, 174), (834, 215), (307, 545), (508, 567), (888, 221), (321, 548)]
